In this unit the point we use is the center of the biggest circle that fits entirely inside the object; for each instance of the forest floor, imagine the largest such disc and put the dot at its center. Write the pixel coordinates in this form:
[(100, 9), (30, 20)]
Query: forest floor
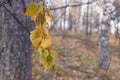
[(77, 58)]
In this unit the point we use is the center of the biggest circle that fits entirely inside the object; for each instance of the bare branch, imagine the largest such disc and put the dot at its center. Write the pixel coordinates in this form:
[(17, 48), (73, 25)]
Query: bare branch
[(55, 22), (83, 71), (4, 2), (73, 5)]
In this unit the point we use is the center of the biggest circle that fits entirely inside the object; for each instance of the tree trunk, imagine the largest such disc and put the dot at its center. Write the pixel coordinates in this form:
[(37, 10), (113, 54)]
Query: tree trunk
[(104, 32), (15, 50), (87, 21)]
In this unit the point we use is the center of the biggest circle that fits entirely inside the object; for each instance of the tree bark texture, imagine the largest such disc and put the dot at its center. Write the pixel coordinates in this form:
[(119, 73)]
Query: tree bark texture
[(15, 47), (104, 33)]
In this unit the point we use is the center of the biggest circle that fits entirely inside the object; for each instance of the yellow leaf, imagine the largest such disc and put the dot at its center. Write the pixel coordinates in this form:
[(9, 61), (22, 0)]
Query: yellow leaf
[(39, 37), (45, 31), (32, 11), (35, 37), (40, 50), (46, 42), (39, 31)]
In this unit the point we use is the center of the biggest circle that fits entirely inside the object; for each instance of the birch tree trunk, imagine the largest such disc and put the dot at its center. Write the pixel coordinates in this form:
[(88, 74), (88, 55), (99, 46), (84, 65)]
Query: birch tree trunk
[(87, 21), (104, 33), (15, 50)]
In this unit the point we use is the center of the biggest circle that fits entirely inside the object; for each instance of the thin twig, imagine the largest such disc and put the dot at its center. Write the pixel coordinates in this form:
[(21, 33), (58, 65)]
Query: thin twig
[(7, 1), (73, 5), (55, 22), (83, 71), (4, 2)]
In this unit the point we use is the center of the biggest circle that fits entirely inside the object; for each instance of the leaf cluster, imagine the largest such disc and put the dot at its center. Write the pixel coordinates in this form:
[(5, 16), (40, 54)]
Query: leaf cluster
[(39, 37)]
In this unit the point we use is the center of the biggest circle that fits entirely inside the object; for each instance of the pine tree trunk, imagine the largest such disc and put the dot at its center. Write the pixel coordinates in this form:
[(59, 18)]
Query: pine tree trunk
[(104, 31), (15, 50)]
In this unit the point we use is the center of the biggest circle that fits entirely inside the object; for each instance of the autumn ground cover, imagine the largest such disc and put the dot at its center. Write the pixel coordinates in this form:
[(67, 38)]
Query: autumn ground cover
[(77, 59)]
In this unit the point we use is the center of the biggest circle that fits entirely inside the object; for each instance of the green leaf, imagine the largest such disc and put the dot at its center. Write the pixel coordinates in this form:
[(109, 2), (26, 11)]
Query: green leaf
[(48, 58)]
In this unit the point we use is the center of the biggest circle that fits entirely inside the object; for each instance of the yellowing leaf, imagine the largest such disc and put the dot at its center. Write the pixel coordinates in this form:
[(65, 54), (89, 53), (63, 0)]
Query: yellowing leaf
[(40, 21), (46, 42), (40, 18), (49, 16), (48, 58), (40, 50), (39, 31), (53, 53), (35, 37), (44, 54), (39, 37), (41, 6), (45, 31), (32, 11), (49, 62)]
